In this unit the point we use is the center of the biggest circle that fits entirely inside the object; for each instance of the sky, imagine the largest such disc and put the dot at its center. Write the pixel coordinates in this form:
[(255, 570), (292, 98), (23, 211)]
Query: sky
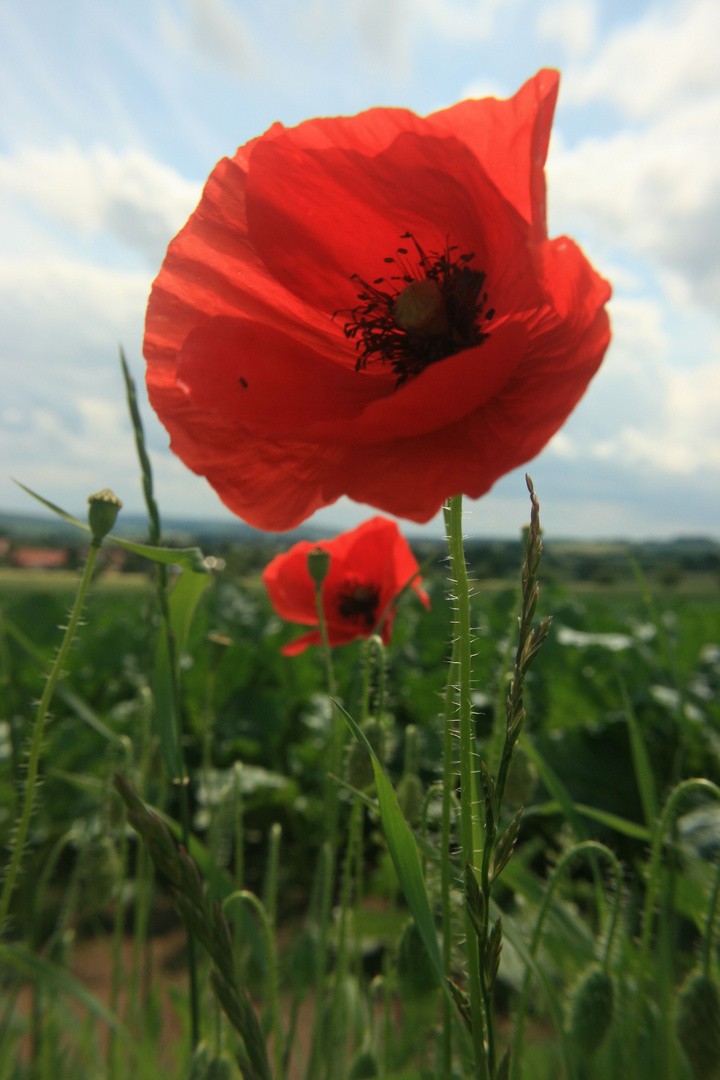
[(113, 114)]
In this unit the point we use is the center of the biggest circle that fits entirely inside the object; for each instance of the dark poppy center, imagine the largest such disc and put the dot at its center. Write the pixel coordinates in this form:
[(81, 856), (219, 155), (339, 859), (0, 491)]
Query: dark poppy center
[(432, 308), (359, 602)]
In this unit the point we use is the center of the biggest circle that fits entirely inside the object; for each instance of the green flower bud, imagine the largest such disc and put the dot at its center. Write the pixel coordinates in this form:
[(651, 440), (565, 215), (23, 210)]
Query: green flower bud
[(103, 512), (363, 1066), (698, 1025), (416, 974), (318, 562), (592, 1004), (410, 797)]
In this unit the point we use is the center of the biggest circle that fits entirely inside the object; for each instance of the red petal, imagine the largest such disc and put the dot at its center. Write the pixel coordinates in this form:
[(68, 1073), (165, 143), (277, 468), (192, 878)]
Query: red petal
[(510, 138), (268, 382), (348, 212), (442, 394)]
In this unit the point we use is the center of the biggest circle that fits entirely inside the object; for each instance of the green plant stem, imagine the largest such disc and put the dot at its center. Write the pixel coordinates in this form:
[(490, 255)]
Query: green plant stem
[(589, 848), (38, 732), (118, 928), (336, 1029), (453, 527), (448, 797), (326, 866)]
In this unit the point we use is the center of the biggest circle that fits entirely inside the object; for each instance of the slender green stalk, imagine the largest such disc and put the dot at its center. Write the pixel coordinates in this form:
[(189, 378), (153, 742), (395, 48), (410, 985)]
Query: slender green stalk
[(448, 797), (239, 867), (326, 867), (453, 527), (271, 881), (118, 928), (336, 1030), (56, 671), (154, 534)]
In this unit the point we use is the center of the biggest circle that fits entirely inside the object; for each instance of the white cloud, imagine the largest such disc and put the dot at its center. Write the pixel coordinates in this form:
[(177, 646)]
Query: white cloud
[(128, 195), (667, 58), (218, 34), (655, 192), (570, 22)]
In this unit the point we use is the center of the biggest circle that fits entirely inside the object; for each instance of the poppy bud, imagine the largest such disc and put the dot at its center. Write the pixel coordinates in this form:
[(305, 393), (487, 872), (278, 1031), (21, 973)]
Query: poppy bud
[(318, 562), (591, 1010), (103, 512), (410, 796), (698, 1025)]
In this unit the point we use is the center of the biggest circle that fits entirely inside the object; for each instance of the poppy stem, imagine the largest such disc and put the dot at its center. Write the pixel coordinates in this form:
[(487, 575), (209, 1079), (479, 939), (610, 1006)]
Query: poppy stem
[(31, 775), (463, 636)]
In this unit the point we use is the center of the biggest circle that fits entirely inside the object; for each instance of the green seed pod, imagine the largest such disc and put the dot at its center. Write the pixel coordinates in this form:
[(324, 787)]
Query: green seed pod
[(698, 1025), (416, 974), (410, 796), (102, 872), (363, 1066), (360, 769), (104, 508), (591, 1010)]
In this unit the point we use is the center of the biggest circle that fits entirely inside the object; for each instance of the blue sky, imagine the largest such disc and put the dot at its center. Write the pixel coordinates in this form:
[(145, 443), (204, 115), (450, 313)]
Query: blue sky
[(114, 114)]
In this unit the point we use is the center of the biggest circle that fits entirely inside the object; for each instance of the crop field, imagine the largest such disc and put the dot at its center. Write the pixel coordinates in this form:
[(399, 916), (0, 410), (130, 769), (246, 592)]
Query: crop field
[(95, 940)]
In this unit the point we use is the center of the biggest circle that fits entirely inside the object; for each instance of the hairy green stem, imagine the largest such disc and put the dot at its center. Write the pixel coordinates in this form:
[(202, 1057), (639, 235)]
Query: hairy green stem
[(453, 527), (448, 797), (38, 732)]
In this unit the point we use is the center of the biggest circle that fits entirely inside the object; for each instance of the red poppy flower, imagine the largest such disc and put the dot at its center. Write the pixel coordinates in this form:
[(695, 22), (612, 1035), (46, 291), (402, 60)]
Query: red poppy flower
[(370, 306), (369, 566)]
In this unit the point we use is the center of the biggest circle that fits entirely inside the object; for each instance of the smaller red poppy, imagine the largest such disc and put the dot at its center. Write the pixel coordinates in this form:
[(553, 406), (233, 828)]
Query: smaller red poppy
[(369, 567)]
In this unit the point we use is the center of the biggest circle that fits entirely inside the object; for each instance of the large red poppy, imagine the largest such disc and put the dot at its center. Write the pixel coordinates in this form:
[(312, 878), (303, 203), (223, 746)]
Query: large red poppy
[(369, 566), (370, 306)]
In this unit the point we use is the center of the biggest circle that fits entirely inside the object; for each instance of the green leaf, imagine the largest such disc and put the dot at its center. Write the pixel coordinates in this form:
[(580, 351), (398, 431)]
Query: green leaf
[(641, 762), (404, 854), (182, 603), (603, 817), (187, 558), (181, 607)]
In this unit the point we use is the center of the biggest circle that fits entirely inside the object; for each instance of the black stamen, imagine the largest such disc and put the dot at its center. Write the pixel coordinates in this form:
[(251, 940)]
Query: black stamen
[(359, 601), (373, 324)]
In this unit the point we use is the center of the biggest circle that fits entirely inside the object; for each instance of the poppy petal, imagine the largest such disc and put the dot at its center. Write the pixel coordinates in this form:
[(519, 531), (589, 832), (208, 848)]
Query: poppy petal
[(511, 137)]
